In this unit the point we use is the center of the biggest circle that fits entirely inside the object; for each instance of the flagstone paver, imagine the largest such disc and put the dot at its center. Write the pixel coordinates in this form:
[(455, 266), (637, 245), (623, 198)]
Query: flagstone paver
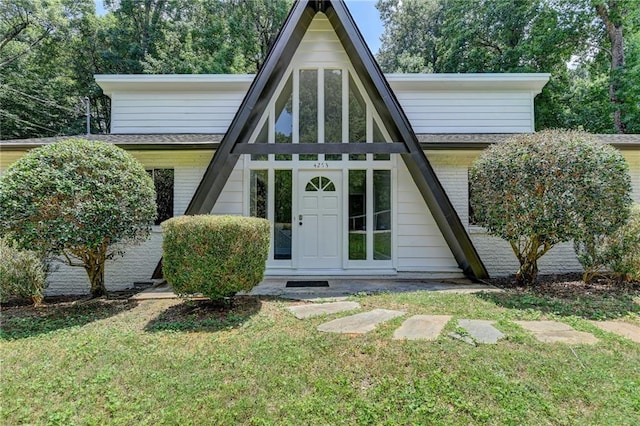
[(556, 332), (624, 329), (359, 323), (316, 309), (421, 327), (482, 331)]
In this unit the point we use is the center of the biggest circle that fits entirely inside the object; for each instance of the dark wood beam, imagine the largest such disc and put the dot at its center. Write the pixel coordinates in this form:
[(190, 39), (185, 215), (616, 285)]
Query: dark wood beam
[(321, 148)]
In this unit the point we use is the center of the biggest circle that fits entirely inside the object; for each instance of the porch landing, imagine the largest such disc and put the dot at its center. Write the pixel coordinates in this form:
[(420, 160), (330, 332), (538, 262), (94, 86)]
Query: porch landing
[(339, 288)]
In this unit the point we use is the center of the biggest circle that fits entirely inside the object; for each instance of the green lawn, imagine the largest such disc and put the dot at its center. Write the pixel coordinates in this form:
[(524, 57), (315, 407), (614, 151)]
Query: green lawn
[(171, 362)]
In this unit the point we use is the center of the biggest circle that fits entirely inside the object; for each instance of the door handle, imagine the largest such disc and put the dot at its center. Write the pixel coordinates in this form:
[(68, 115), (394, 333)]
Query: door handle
[(300, 219)]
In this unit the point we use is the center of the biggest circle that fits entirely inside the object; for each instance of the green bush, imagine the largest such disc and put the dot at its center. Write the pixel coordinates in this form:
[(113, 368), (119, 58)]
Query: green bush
[(81, 201), (214, 255), (617, 253), (22, 273), (538, 190)]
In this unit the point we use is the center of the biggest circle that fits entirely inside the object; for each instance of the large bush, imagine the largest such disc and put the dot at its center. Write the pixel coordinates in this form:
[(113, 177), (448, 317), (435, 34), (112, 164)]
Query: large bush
[(22, 273), (537, 190), (617, 253), (214, 255), (79, 200)]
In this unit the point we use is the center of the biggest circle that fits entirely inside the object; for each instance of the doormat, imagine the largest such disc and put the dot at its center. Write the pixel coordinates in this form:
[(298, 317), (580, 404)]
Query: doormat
[(307, 284)]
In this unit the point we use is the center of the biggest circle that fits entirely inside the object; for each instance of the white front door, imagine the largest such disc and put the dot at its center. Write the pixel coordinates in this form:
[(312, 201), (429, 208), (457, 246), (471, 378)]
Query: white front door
[(319, 219)]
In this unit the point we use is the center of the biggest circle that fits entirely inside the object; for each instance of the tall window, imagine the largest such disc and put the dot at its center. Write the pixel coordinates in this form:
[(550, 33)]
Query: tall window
[(163, 183), (326, 106)]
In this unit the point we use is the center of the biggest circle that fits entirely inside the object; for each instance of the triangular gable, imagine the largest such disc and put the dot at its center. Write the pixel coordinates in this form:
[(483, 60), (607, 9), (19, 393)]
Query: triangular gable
[(236, 140)]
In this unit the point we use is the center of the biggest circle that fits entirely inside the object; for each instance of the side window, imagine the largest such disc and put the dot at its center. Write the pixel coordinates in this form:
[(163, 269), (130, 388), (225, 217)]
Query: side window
[(163, 182)]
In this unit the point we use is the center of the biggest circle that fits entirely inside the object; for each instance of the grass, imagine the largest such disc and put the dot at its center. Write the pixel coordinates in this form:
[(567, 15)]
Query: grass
[(175, 362)]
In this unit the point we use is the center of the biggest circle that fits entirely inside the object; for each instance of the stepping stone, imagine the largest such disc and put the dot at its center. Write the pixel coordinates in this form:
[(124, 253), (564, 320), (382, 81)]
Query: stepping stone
[(467, 339), (556, 332), (359, 323), (421, 327), (316, 309), (482, 331), (624, 329)]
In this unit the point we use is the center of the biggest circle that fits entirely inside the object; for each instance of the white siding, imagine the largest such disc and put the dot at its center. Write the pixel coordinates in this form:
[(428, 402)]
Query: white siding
[(633, 159), (467, 112), (171, 112), (421, 246)]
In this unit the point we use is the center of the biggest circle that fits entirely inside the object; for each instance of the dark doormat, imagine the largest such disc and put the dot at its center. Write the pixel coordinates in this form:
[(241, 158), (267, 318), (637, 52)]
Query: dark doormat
[(307, 284)]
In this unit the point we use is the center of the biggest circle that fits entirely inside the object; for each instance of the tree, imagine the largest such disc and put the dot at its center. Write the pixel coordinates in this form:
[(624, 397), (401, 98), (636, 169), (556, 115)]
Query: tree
[(538, 190), (571, 39), (615, 16), (82, 200)]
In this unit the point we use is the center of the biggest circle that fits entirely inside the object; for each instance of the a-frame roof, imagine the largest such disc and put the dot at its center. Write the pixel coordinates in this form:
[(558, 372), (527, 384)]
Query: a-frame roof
[(236, 140)]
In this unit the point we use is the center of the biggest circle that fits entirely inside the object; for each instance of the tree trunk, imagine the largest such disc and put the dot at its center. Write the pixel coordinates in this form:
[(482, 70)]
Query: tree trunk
[(614, 31), (528, 272), (95, 270)]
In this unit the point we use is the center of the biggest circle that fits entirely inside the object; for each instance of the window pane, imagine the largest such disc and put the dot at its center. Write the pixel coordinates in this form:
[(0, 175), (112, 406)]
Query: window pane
[(382, 214), (333, 110), (357, 214), (282, 213), (163, 183), (378, 137), (308, 103), (357, 119), (258, 193), (263, 137), (284, 115)]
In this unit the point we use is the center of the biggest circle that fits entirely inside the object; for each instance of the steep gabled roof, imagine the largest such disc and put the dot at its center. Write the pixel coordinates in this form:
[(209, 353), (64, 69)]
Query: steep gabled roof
[(263, 88)]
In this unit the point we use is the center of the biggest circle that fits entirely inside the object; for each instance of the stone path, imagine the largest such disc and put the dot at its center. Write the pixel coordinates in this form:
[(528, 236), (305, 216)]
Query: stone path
[(421, 327), (360, 323), (556, 332), (429, 327), (630, 331), (481, 331)]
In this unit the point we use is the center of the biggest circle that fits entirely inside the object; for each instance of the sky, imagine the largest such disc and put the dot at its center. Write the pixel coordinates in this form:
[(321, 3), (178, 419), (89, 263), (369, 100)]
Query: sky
[(364, 12)]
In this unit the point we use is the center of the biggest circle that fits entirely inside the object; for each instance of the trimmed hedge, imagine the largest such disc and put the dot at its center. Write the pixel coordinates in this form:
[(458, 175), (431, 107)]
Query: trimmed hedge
[(214, 255), (22, 273)]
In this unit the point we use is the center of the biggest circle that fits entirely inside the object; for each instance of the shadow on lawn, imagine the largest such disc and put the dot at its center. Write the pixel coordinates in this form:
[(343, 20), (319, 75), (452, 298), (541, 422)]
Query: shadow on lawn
[(19, 322), (588, 305), (206, 315)]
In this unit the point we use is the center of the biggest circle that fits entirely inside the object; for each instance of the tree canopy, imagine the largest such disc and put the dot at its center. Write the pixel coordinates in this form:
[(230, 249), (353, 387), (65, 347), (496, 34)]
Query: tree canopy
[(590, 47), (50, 51)]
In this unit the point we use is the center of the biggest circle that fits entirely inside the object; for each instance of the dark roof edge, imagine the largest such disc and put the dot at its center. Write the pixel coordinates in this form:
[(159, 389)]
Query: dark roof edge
[(177, 141)]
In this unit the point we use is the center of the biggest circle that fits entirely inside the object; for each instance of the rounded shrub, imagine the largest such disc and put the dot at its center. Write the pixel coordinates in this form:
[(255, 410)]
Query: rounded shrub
[(214, 255), (78, 200), (22, 273), (538, 190)]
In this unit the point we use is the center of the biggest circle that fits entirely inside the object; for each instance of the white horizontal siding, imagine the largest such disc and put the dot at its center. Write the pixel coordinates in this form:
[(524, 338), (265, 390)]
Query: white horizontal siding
[(181, 112), (421, 246), (633, 159), (467, 112), (231, 199)]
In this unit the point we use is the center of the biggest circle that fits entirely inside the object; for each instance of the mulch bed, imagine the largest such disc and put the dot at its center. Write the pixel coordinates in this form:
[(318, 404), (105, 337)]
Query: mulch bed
[(569, 285)]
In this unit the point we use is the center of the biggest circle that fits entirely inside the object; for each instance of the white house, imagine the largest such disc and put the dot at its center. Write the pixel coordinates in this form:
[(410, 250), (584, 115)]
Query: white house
[(360, 173)]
